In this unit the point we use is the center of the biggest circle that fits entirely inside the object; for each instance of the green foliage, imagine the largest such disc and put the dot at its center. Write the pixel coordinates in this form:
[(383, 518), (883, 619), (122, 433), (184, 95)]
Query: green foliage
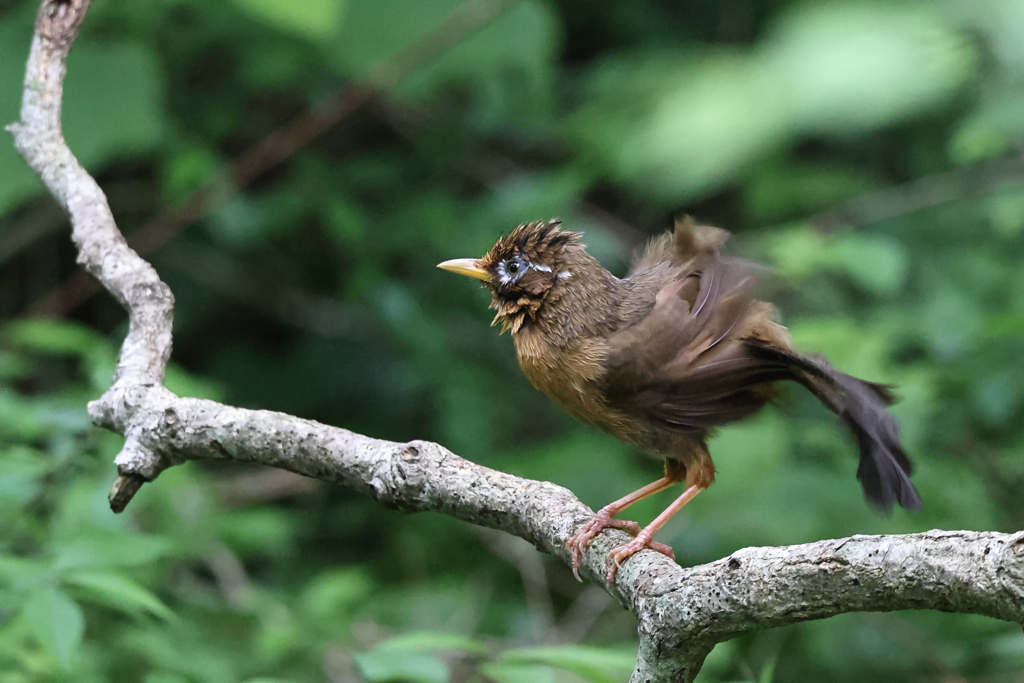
[(592, 664), (121, 71), (314, 20), (55, 620), (19, 182), (862, 150), (414, 667), (876, 263), (679, 124)]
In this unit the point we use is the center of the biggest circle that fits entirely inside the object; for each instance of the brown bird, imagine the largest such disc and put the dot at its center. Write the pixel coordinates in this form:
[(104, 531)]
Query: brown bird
[(662, 357)]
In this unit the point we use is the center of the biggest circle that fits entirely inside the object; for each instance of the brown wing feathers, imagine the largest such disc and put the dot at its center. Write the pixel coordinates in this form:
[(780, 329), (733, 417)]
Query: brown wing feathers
[(707, 353)]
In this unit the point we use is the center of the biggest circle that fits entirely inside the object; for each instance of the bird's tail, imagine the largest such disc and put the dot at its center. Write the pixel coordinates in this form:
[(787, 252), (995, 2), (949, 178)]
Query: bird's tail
[(884, 469)]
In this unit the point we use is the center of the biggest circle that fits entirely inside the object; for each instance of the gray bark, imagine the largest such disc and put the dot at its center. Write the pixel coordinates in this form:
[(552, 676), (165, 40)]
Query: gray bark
[(682, 612)]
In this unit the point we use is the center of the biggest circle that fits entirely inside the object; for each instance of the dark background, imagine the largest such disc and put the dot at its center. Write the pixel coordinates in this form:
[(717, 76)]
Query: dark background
[(869, 153)]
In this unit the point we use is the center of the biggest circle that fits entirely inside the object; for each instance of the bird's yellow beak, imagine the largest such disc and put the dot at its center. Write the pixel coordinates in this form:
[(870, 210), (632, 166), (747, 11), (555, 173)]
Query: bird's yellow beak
[(466, 266)]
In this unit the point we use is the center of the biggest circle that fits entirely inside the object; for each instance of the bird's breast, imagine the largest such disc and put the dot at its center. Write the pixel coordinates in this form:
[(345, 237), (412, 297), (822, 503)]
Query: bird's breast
[(568, 374)]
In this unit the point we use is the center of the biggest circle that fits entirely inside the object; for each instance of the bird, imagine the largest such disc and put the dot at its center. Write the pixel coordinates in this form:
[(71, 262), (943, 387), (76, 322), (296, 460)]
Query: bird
[(666, 355)]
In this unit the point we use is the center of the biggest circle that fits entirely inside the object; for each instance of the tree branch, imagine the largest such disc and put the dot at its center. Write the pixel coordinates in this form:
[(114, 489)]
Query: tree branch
[(682, 613), (102, 250)]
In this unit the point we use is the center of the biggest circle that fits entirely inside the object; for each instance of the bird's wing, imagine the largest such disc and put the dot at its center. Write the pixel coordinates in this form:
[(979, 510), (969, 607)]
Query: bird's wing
[(681, 364)]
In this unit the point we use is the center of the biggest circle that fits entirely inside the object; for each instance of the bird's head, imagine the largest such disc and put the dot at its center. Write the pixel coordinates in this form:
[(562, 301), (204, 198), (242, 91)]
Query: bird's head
[(524, 270)]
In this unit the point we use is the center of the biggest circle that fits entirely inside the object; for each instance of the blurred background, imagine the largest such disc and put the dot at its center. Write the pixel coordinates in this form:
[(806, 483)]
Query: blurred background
[(295, 170)]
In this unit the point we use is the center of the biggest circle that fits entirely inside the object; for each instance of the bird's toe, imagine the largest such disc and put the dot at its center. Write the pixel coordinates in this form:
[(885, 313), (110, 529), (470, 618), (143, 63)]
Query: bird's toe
[(623, 553), (588, 531)]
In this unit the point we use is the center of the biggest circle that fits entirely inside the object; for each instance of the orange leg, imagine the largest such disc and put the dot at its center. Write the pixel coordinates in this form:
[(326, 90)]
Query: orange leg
[(644, 538), (604, 520)]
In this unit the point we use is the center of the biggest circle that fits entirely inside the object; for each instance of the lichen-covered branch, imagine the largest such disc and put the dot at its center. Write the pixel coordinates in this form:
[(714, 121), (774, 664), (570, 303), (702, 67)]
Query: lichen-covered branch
[(682, 613), (102, 250), (954, 571)]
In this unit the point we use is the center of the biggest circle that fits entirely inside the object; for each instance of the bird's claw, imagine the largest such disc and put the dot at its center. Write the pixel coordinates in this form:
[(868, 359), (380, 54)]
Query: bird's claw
[(622, 553), (601, 521)]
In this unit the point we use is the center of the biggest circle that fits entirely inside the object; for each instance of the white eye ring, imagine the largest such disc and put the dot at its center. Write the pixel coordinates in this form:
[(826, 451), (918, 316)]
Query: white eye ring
[(511, 269)]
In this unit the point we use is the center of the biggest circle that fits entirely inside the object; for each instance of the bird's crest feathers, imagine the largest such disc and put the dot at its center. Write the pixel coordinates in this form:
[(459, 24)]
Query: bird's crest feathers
[(525, 265), (531, 242)]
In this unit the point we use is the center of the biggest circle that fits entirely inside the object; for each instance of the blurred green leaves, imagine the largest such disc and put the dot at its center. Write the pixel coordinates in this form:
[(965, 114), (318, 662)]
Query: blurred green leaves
[(116, 590), (15, 37), (394, 666), (675, 126), (56, 621), (990, 131), (876, 263), (598, 665), (114, 109), (420, 641), (506, 63), (418, 658), (313, 19), (842, 67), (112, 103)]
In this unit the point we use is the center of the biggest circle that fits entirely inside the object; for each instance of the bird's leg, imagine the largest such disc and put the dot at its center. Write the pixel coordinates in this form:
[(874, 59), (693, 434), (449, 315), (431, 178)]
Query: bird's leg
[(604, 519), (644, 538)]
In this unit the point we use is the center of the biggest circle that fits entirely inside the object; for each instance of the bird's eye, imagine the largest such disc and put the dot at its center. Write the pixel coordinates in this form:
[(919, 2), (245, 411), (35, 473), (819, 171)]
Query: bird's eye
[(512, 267)]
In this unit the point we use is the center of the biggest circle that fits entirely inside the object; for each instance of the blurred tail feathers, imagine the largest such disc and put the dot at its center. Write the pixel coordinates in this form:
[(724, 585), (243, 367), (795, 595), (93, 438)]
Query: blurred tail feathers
[(884, 470)]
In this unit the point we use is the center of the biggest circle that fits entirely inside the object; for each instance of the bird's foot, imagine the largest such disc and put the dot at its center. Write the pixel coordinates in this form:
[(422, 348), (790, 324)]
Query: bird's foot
[(601, 521), (623, 553)]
